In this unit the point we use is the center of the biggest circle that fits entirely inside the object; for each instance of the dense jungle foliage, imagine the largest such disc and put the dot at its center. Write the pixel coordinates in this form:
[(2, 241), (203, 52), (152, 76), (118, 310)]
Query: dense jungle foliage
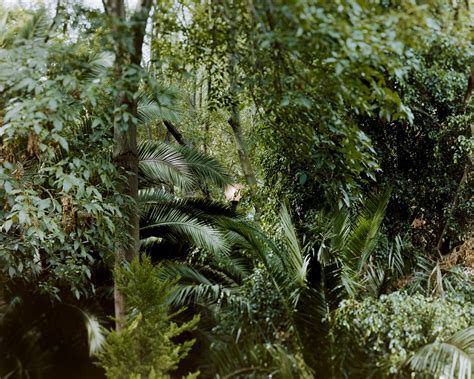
[(236, 189)]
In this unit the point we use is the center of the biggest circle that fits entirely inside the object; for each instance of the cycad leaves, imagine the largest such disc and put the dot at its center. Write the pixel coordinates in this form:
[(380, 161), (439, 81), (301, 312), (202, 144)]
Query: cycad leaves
[(451, 359)]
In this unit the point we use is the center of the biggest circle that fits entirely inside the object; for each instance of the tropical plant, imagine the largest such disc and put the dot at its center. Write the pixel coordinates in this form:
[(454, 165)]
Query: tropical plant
[(304, 297), (226, 283), (167, 171), (347, 246), (321, 103)]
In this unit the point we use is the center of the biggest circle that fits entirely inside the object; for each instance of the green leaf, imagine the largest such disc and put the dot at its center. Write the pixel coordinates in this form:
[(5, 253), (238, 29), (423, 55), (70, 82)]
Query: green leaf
[(8, 186), (67, 183), (7, 225), (22, 216)]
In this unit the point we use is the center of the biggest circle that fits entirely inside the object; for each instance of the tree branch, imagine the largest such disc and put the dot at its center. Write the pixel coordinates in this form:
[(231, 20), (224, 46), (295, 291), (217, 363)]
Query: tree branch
[(175, 132)]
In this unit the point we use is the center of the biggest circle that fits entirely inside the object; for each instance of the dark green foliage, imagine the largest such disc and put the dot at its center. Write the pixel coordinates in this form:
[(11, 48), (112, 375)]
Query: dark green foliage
[(252, 294), (56, 180), (42, 337), (337, 100), (167, 215), (425, 160), (178, 166)]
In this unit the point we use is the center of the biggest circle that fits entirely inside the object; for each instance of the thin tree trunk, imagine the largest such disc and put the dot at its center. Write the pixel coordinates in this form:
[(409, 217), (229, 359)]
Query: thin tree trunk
[(234, 120), (125, 155)]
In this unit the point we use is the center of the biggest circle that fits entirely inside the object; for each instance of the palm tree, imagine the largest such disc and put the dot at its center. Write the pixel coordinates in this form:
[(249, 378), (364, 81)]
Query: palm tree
[(166, 172)]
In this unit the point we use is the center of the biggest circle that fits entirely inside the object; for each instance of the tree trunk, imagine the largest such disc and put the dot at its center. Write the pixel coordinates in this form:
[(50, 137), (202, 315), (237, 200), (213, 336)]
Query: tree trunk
[(234, 120), (125, 155)]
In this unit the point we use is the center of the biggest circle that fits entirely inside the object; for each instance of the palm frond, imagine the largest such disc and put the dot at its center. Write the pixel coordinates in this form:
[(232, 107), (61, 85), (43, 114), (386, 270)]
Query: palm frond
[(208, 209), (95, 65), (235, 265), (396, 263), (336, 229), (341, 228), (450, 359), (95, 335), (152, 109), (420, 279), (162, 220), (161, 163), (36, 27), (195, 287), (5, 31), (192, 286), (375, 279), (347, 245), (295, 263), (154, 196), (148, 243), (285, 265), (364, 235), (205, 168), (385, 268), (261, 250), (101, 60)]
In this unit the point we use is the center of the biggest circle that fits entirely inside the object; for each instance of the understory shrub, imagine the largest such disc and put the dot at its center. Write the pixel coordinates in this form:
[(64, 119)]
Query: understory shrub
[(376, 337)]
